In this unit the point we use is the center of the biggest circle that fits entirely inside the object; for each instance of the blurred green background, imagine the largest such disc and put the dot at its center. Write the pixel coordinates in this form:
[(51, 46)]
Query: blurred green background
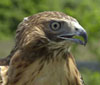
[(87, 12)]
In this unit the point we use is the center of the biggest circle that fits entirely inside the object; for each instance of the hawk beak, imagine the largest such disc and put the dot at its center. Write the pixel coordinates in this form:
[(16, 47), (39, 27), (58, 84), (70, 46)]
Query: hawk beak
[(85, 37), (69, 37)]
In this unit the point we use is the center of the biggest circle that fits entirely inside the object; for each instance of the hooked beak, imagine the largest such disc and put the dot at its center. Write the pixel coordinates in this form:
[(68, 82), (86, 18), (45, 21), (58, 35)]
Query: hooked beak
[(69, 37), (85, 37)]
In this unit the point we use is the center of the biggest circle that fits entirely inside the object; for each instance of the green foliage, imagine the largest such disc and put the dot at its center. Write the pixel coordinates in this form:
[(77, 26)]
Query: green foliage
[(90, 77)]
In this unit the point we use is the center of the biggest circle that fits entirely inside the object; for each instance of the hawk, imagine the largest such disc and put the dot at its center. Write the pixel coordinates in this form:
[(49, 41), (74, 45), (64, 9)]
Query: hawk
[(41, 55)]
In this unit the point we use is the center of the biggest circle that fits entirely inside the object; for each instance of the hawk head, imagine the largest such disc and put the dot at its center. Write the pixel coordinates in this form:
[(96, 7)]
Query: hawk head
[(50, 27)]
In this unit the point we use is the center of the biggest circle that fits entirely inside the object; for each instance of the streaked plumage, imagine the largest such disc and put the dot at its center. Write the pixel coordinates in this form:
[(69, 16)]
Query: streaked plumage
[(41, 55)]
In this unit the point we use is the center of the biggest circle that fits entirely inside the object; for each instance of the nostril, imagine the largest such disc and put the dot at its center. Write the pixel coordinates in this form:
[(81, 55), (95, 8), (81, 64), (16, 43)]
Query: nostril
[(76, 29)]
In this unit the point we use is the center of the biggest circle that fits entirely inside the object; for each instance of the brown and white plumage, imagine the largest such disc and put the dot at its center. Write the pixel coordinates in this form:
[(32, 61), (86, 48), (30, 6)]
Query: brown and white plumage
[(41, 55)]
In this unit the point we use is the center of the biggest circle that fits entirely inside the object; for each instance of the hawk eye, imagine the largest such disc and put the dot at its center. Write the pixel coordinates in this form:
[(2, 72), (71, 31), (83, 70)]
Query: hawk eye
[(55, 26)]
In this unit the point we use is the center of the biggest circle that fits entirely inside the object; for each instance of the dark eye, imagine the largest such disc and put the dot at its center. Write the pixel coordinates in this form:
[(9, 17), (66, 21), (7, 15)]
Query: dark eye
[(55, 26)]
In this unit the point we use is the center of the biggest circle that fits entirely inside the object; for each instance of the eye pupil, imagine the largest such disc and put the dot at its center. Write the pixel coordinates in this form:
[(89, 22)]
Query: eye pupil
[(55, 25)]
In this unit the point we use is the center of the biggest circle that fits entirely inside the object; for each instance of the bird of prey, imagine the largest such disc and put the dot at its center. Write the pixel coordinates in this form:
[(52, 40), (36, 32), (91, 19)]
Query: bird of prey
[(41, 55)]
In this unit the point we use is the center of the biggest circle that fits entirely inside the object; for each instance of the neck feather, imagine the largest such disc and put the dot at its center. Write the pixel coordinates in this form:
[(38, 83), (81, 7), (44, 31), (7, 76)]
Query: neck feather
[(42, 65)]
